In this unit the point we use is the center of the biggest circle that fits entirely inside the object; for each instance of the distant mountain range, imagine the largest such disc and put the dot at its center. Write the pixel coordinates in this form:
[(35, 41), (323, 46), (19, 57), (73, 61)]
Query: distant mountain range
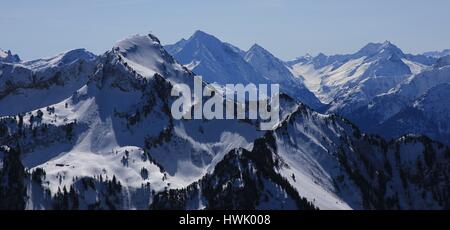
[(437, 54), (222, 63), (377, 86), (81, 131), (349, 84)]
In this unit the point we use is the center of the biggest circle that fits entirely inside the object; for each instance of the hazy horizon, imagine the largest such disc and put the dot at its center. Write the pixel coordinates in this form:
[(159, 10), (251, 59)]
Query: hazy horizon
[(286, 28)]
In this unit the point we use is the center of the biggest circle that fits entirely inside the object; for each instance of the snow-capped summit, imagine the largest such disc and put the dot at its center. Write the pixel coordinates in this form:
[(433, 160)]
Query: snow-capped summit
[(222, 63), (197, 40), (144, 54), (387, 61), (385, 48), (201, 35), (7, 56), (349, 81), (273, 70), (74, 55), (256, 48), (62, 59), (214, 60)]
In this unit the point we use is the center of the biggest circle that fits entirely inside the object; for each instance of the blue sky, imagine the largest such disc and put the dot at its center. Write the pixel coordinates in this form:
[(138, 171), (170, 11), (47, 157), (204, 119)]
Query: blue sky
[(287, 28)]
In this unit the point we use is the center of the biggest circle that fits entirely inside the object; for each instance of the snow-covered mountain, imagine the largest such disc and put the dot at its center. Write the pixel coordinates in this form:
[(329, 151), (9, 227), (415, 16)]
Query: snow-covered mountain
[(429, 115), (110, 142), (7, 56), (276, 71), (216, 61), (223, 63), (418, 100), (329, 163), (347, 82), (437, 54), (117, 128), (271, 68), (43, 82), (374, 85)]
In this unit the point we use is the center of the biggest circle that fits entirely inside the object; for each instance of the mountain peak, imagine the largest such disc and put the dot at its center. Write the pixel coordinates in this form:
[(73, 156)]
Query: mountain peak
[(143, 53), (75, 54), (256, 46), (387, 43), (62, 59), (7, 56), (259, 50), (386, 47), (198, 34), (137, 39), (200, 38)]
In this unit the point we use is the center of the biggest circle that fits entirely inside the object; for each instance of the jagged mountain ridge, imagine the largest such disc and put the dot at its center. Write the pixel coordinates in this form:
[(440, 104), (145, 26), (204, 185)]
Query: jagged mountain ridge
[(223, 63), (214, 60), (330, 162), (377, 85), (344, 80)]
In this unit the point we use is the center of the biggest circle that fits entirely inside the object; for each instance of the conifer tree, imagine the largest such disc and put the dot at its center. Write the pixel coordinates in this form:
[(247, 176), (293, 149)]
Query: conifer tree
[(12, 181)]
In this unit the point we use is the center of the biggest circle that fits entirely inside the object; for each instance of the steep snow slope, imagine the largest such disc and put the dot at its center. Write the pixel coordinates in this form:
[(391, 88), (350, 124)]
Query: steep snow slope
[(328, 161), (243, 180)]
